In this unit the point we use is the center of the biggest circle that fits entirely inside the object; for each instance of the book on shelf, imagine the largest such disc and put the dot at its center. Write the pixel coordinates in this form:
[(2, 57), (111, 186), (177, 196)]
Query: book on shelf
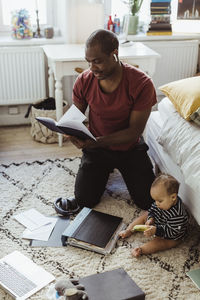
[(160, 8), (166, 11), (160, 1), (71, 123), (160, 26), (112, 285), (195, 277), (160, 19), (158, 32), (160, 4), (93, 230)]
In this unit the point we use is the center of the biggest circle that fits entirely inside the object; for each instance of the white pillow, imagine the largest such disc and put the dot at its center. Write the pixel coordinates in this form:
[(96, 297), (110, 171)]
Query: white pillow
[(165, 108)]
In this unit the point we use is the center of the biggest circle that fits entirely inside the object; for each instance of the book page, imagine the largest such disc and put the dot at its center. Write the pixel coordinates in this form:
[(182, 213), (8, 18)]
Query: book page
[(72, 114), (73, 118), (76, 126), (32, 219), (42, 233)]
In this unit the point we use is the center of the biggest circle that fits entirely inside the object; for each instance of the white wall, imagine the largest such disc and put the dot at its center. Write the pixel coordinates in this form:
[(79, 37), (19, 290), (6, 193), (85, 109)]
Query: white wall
[(81, 19)]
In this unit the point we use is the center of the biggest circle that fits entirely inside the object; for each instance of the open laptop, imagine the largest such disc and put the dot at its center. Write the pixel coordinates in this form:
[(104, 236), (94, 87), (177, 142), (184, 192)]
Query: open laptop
[(21, 277)]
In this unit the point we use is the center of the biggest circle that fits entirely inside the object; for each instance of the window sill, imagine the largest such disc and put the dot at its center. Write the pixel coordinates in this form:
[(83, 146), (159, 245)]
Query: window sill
[(175, 36), (6, 41)]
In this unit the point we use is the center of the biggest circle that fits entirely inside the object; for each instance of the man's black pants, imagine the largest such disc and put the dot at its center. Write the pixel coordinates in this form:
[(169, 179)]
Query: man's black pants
[(96, 165)]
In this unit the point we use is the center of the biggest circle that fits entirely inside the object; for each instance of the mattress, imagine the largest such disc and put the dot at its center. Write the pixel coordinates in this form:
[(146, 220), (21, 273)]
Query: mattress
[(160, 154)]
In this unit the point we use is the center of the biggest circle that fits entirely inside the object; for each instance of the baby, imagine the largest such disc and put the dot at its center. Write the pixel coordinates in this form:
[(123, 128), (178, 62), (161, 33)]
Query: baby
[(166, 219)]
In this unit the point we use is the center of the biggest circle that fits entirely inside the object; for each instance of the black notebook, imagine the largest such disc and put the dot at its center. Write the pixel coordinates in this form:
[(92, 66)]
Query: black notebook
[(94, 230), (112, 285), (71, 123)]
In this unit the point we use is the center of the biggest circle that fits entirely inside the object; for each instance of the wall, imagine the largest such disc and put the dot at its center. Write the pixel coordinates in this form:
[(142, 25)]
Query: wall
[(82, 18)]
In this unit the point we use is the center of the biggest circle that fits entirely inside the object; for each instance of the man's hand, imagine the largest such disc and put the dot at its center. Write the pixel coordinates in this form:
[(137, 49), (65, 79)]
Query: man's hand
[(150, 231), (80, 144)]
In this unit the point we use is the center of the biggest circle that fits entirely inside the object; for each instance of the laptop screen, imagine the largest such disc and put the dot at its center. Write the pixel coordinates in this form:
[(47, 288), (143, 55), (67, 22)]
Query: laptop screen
[(21, 277)]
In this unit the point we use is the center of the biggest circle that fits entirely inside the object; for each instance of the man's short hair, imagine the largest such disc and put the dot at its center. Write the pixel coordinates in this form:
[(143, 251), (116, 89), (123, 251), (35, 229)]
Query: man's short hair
[(106, 39), (169, 182)]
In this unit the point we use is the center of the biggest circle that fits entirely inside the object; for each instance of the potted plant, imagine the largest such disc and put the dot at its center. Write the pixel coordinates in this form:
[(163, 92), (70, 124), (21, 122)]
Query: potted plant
[(135, 6), (133, 18)]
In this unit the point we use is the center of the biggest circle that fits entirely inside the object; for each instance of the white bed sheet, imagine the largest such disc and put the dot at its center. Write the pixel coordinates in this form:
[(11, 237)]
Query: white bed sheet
[(156, 151), (187, 192), (181, 140)]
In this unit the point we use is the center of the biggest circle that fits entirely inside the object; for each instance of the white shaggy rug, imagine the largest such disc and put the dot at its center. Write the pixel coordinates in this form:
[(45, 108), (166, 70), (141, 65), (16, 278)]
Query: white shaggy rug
[(161, 276)]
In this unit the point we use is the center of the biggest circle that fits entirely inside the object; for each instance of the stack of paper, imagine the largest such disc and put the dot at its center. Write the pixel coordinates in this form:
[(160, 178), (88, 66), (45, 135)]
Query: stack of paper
[(37, 225)]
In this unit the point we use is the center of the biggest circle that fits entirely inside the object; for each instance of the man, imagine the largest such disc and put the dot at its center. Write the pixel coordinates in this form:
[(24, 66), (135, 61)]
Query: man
[(120, 98)]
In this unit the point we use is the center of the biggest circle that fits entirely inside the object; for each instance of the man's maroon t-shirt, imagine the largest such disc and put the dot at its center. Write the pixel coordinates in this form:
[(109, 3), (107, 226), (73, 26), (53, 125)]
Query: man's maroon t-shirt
[(110, 112)]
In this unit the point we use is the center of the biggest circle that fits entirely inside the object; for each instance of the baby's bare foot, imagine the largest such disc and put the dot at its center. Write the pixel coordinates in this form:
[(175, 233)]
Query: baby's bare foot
[(136, 252), (124, 233)]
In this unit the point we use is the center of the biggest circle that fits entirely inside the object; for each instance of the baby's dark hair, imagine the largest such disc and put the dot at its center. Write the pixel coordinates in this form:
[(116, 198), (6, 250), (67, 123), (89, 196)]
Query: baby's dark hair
[(169, 182), (106, 39)]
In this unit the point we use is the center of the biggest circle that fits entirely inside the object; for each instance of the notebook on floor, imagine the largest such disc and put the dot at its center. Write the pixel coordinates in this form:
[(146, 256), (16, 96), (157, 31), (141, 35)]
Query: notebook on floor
[(21, 277), (93, 230), (112, 285)]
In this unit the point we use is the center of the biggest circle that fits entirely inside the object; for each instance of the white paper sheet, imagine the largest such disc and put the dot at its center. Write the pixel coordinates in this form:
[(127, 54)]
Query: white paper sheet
[(42, 233), (72, 114), (32, 219)]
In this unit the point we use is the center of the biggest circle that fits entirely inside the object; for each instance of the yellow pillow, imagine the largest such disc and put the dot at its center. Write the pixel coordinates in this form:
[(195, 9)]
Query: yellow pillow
[(184, 94)]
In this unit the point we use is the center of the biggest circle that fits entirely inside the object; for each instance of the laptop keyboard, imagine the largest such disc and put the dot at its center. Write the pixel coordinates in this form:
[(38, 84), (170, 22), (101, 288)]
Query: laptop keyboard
[(14, 280)]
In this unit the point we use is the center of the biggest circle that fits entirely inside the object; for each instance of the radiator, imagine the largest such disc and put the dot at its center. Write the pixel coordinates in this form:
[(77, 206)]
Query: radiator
[(178, 60), (22, 75)]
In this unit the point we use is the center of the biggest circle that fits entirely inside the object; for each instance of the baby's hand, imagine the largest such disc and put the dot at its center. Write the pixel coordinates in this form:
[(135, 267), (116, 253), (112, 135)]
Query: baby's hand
[(150, 231), (124, 233), (150, 221)]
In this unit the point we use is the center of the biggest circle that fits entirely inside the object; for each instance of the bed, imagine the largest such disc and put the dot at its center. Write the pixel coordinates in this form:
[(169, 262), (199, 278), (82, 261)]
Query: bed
[(174, 147)]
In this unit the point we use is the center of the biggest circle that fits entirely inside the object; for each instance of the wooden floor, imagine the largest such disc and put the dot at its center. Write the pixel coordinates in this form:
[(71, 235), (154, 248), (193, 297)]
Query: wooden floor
[(17, 145)]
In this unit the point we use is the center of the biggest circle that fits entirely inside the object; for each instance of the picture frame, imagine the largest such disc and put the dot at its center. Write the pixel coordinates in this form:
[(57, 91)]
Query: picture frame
[(188, 10)]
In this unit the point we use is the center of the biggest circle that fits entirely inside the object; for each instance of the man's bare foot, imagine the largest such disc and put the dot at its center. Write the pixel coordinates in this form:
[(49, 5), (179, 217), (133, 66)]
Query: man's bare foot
[(136, 252), (125, 233)]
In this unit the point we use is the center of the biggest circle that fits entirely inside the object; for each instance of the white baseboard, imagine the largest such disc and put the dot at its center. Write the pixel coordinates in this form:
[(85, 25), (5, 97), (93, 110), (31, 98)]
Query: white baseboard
[(13, 115)]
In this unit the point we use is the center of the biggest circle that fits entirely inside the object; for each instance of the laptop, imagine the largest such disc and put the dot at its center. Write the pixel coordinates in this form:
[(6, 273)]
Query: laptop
[(21, 277)]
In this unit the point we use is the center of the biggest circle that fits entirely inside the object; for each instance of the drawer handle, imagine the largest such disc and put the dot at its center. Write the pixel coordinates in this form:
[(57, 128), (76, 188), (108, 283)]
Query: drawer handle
[(79, 70)]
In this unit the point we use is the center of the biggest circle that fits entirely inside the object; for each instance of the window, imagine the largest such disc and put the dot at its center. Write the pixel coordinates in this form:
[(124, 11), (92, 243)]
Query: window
[(7, 7), (120, 9)]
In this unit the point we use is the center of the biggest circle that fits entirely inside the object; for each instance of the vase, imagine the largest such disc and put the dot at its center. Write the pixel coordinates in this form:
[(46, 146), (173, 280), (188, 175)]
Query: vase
[(133, 24)]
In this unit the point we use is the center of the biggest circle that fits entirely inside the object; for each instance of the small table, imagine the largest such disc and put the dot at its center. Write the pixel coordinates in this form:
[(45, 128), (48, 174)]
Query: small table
[(64, 59)]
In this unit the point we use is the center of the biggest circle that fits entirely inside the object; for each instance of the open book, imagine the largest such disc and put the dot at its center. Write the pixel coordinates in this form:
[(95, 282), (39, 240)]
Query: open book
[(94, 230), (71, 123)]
